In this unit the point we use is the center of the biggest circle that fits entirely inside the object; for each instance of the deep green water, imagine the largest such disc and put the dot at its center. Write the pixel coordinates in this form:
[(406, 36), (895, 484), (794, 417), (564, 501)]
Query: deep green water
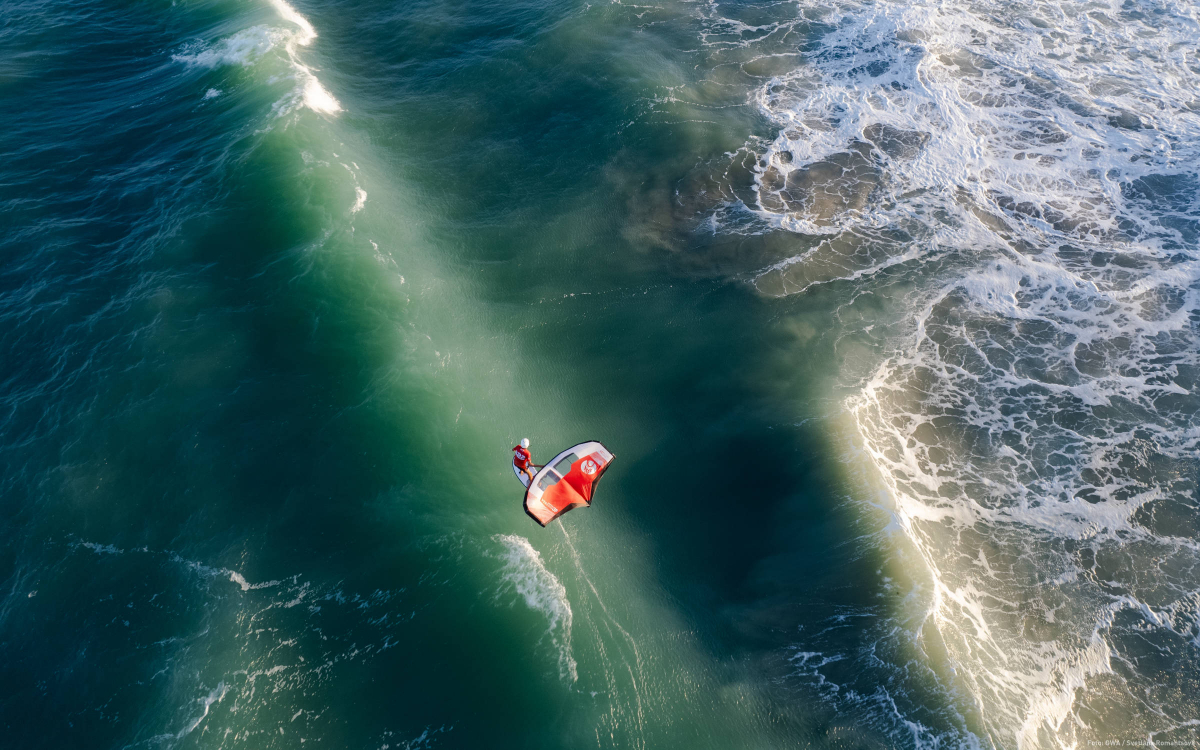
[(274, 308)]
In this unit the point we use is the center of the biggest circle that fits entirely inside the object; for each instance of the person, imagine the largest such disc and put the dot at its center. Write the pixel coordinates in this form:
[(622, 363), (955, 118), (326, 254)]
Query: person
[(523, 457)]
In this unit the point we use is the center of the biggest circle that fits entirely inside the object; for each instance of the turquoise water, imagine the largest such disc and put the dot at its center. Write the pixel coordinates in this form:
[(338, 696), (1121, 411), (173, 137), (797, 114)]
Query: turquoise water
[(888, 313)]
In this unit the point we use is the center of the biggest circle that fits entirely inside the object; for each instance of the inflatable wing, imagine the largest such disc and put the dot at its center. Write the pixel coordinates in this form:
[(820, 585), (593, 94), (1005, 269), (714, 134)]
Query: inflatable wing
[(567, 481)]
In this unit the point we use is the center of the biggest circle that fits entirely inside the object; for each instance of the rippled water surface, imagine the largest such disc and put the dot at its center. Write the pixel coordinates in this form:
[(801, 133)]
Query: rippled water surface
[(889, 312)]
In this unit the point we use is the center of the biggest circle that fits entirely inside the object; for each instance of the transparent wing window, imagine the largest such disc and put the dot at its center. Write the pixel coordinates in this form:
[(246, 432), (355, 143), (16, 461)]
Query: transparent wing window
[(564, 466)]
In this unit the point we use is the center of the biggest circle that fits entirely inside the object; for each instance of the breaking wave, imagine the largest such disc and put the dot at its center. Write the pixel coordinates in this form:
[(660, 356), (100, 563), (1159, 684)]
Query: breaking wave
[(541, 590), (250, 46), (1021, 186)]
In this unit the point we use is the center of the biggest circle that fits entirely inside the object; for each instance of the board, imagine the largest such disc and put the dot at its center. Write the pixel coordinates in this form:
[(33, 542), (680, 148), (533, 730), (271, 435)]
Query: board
[(522, 475)]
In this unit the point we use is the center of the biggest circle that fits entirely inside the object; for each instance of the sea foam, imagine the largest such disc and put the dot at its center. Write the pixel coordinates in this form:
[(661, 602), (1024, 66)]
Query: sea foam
[(525, 573), (1028, 176), (250, 46)]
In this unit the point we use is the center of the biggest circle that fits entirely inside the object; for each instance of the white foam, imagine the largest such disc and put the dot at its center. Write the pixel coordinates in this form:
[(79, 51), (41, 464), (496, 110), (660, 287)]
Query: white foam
[(246, 585), (231, 575), (312, 94), (214, 696), (245, 47), (360, 200), (101, 549), (525, 572), (971, 129), (250, 46), (288, 13), (1027, 175)]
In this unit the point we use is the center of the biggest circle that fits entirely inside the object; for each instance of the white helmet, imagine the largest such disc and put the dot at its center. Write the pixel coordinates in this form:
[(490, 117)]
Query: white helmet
[(524, 442)]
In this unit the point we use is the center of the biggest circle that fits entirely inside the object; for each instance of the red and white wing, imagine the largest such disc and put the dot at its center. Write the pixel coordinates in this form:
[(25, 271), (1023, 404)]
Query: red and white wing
[(567, 481)]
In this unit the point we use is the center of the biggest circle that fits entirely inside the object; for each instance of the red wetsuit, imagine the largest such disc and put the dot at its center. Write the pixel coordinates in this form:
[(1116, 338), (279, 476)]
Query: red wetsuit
[(522, 458)]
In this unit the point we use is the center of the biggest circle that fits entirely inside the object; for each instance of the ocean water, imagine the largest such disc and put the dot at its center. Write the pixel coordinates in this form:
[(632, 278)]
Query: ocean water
[(889, 312)]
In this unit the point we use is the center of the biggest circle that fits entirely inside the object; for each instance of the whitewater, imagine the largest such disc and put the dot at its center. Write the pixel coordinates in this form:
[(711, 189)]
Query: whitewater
[(1019, 183)]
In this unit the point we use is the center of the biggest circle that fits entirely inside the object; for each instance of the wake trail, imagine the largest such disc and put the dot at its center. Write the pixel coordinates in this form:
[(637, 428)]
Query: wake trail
[(636, 674)]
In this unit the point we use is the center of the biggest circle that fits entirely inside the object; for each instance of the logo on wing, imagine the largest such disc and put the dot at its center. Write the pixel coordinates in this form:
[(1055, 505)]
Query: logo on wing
[(588, 467)]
